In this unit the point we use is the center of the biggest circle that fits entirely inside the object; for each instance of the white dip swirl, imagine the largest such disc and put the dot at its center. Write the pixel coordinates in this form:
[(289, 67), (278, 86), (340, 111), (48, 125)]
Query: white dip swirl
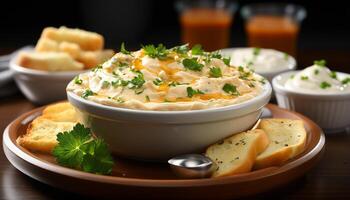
[(262, 60), (319, 79)]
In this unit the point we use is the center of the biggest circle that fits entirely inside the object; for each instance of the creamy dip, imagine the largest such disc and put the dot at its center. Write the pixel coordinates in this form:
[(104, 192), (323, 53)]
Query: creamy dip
[(156, 78), (319, 79), (262, 60)]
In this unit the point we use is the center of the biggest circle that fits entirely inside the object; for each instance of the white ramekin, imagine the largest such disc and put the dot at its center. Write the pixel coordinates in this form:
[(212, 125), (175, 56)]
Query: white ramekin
[(268, 75), (160, 135), (329, 111), (42, 87)]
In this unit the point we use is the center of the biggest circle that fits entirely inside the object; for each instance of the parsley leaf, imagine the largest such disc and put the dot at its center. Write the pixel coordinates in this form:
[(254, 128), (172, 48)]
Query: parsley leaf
[(137, 81), (333, 74), (216, 54), (285, 56), (316, 72), (192, 64), (215, 72), (77, 149), (87, 93), (197, 50), (157, 81), (320, 63), (227, 61), (77, 80), (230, 89), (256, 51), (159, 52), (97, 158), (183, 49), (191, 92), (346, 80), (304, 78), (123, 50), (325, 85)]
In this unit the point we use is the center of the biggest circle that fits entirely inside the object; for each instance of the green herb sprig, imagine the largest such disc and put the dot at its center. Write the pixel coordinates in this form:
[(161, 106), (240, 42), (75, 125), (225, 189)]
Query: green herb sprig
[(79, 150)]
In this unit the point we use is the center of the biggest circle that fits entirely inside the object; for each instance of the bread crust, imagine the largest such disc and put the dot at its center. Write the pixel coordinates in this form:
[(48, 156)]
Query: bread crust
[(282, 154)]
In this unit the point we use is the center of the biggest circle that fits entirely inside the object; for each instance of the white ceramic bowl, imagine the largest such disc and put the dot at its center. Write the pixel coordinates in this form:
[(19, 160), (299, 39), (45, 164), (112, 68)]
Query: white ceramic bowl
[(330, 111), (268, 75), (160, 135), (42, 87)]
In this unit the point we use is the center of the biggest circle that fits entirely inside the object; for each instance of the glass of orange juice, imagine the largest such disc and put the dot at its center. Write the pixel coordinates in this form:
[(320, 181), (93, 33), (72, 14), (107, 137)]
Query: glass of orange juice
[(206, 22), (274, 26)]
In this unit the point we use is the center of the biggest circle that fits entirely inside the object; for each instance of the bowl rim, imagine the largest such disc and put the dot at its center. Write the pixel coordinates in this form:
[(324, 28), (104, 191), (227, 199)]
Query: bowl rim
[(293, 65), (182, 116), (278, 88), (17, 68)]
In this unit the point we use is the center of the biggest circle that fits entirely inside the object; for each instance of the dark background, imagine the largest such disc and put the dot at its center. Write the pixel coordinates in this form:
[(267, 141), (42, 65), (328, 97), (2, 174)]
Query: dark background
[(327, 25)]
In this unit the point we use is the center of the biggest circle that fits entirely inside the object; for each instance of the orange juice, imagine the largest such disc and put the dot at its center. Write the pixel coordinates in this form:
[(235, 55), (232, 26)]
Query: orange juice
[(206, 26), (275, 32)]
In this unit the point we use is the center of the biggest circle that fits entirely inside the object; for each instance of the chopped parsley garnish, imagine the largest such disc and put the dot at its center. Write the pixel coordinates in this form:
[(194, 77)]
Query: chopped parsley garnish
[(325, 85), (320, 63), (95, 69), (147, 98), (256, 51), (240, 69), (304, 78), (87, 93), (197, 50), (137, 81), (216, 54), (227, 61), (157, 81), (192, 64), (316, 72), (230, 89), (215, 72), (285, 56), (333, 74), (183, 49), (77, 80), (191, 92), (123, 50), (105, 84), (159, 52), (292, 76), (346, 80), (262, 81), (79, 150)]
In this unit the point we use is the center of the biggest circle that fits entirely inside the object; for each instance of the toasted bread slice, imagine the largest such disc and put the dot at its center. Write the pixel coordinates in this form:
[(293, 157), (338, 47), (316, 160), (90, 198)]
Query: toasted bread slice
[(41, 134), (48, 45), (48, 61), (91, 59), (45, 44), (287, 139), (237, 153), (88, 41), (60, 112)]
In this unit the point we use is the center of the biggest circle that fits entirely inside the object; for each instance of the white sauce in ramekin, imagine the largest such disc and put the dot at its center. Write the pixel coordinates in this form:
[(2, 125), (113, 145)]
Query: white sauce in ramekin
[(262, 60), (319, 79)]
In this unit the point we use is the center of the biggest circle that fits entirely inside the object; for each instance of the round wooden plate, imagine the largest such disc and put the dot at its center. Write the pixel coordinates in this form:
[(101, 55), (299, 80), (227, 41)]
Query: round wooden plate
[(134, 179)]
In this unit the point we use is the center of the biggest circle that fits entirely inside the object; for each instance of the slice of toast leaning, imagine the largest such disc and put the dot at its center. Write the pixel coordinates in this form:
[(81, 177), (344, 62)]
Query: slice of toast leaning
[(287, 139), (237, 153)]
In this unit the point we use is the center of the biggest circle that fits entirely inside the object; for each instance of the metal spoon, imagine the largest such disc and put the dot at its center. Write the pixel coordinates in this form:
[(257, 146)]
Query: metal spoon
[(192, 166), (198, 165)]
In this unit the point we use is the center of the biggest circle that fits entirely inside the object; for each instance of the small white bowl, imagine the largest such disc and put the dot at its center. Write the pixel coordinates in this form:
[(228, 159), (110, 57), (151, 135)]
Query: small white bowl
[(267, 74), (42, 87), (330, 111), (160, 135)]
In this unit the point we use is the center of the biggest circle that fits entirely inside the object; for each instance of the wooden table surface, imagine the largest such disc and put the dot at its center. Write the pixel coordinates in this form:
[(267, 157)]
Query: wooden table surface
[(330, 179)]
